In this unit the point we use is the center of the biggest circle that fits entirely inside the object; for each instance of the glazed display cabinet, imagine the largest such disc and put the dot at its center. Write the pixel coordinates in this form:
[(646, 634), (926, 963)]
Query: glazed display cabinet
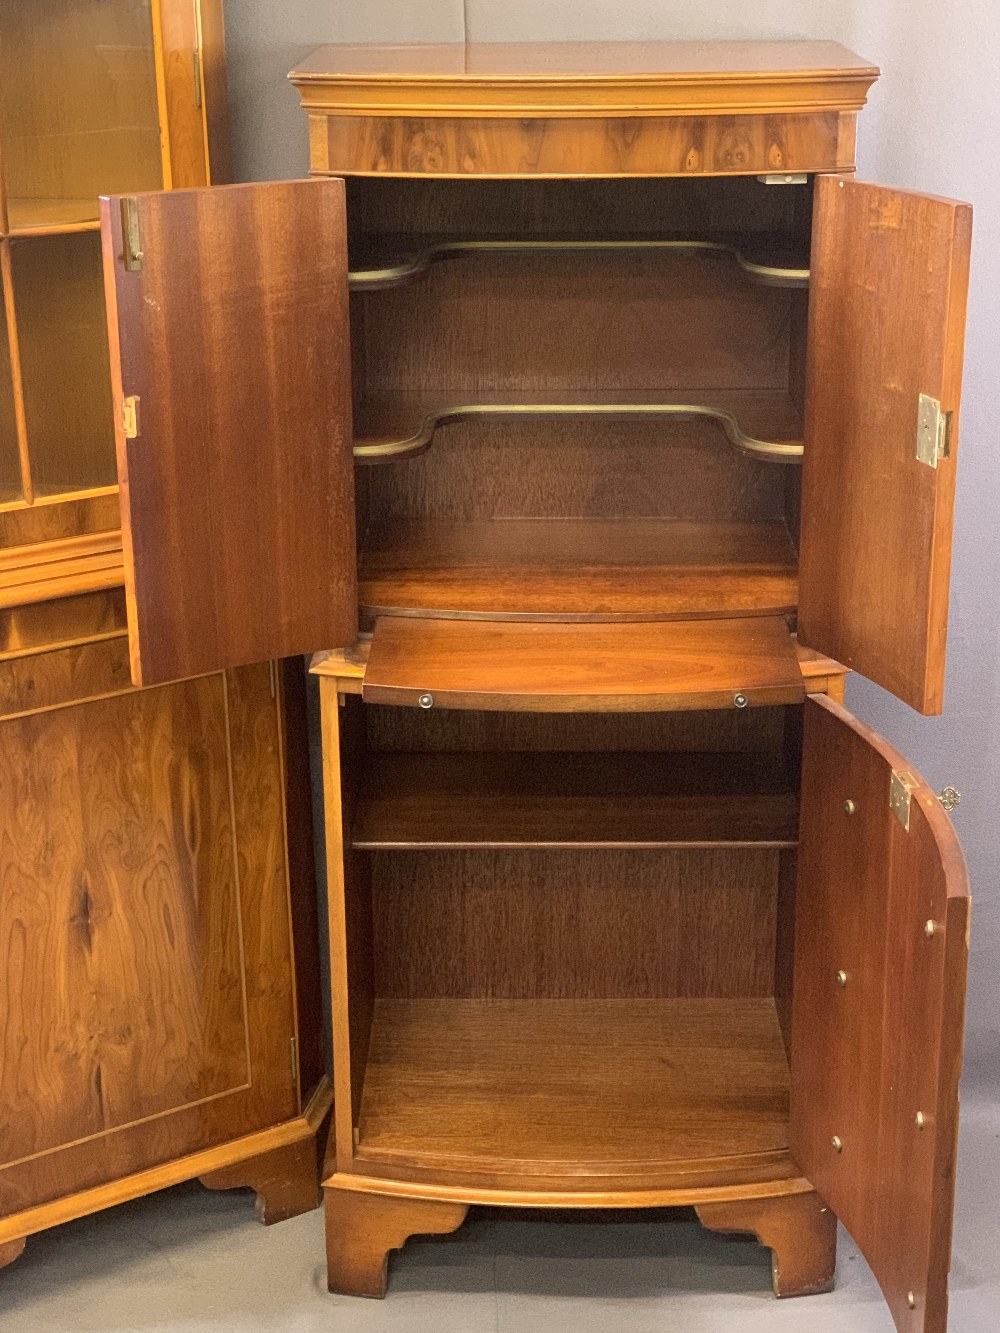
[(159, 1017), (589, 420)]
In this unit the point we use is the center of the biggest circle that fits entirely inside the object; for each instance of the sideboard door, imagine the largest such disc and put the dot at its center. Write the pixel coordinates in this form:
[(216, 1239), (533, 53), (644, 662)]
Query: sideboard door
[(230, 349), (889, 275), (880, 960)]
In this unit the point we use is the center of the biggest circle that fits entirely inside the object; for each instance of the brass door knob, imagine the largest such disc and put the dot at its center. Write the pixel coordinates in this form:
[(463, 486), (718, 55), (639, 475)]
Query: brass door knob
[(949, 797)]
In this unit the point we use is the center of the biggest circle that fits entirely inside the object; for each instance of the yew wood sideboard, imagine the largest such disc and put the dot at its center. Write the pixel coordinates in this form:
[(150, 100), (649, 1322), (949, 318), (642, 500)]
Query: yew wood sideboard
[(587, 419), (159, 1013)]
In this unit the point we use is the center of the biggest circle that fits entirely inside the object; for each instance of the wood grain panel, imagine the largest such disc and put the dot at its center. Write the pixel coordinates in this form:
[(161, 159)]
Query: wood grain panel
[(606, 146), (243, 552), (579, 321), (579, 667), (493, 1082), (67, 516), (576, 569), (438, 801), (876, 1061), (146, 847), (390, 212), (51, 680), (118, 816), (24, 630), (886, 324), (594, 924), (736, 731), (656, 467)]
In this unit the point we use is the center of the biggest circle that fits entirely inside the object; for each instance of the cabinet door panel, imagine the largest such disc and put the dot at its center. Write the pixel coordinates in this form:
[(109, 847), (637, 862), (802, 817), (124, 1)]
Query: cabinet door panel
[(876, 1052), (886, 324), (147, 1008), (238, 490)]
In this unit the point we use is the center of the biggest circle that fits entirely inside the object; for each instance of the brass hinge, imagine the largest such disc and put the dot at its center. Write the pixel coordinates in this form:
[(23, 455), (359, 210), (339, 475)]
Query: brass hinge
[(294, 1052), (196, 62), (933, 431), (130, 416), (131, 240), (272, 676), (901, 787)]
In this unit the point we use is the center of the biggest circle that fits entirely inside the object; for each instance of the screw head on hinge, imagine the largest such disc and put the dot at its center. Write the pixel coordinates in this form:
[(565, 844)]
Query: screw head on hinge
[(740, 700)]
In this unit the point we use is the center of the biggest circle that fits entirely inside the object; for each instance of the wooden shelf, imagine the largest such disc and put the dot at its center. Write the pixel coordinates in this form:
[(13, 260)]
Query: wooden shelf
[(566, 667), (432, 802), (586, 569), (501, 1083), (763, 423), (379, 273), (45, 217)]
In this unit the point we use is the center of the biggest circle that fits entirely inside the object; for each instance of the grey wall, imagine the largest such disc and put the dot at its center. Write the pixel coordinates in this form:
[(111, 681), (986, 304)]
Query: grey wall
[(933, 124)]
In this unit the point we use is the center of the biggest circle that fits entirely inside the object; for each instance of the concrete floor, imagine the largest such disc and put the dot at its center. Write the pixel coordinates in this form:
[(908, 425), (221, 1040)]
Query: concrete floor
[(193, 1261)]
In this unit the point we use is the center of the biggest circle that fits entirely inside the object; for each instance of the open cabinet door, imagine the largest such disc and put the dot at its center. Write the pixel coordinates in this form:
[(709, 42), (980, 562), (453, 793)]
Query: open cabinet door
[(230, 351), (879, 994), (889, 275)]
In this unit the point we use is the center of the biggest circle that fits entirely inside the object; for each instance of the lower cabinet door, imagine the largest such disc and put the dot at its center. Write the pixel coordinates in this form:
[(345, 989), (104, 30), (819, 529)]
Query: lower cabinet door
[(880, 960), (146, 979)]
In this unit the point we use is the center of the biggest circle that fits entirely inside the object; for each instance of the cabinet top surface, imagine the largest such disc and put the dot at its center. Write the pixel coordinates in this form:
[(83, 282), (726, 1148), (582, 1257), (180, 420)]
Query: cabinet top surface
[(655, 61), (567, 78)]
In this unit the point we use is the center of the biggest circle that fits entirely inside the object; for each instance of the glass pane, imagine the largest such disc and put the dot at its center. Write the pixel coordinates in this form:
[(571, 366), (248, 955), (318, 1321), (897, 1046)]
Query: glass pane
[(77, 106), (10, 469), (59, 298)]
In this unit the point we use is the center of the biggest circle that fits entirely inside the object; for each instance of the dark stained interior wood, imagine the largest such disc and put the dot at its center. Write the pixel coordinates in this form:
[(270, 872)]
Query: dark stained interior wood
[(536, 924), (583, 667), (577, 569), (735, 731), (871, 1055), (243, 551), (493, 1082), (886, 324), (439, 801)]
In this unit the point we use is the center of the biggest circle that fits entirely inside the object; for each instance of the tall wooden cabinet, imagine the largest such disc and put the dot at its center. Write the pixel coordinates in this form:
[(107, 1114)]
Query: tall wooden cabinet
[(159, 1012), (583, 379)]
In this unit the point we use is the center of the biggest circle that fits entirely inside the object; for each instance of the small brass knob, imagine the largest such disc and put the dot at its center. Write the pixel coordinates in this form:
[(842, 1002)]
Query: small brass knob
[(426, 701), (740, 700), (838, 1143), (849, 807), (842, 978), (949, 798)]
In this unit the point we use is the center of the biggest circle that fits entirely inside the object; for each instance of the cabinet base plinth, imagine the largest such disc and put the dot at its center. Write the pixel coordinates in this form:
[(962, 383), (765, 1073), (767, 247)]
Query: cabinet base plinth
[(361, 1229), (285, 1180), (799, 1230)]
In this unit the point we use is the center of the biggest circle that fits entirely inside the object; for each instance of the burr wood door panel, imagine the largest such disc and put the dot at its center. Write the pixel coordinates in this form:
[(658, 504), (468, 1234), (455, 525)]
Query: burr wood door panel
[(887, 299), (147, 1000), (879, 992), (227, 315)]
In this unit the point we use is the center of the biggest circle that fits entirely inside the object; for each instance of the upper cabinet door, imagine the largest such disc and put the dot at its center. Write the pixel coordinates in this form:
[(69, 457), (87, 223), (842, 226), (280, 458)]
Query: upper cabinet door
[(230, 350), (880, 958), (886, 326)]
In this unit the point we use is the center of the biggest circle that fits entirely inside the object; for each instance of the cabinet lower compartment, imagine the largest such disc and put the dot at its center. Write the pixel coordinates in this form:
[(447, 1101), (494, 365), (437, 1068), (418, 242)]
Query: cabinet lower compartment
[(546, 1085)]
